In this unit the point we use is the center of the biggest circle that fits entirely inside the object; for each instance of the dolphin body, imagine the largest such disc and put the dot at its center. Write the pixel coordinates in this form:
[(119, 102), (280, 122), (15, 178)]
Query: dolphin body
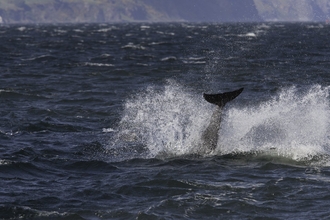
[(211, 134)]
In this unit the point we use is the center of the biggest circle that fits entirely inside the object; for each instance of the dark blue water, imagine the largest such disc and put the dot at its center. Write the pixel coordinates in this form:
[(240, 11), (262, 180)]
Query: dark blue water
[(104, 121)]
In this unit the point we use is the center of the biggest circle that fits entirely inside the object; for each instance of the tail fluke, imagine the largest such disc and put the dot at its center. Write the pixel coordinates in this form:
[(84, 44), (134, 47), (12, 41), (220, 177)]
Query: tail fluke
[(222, 98)]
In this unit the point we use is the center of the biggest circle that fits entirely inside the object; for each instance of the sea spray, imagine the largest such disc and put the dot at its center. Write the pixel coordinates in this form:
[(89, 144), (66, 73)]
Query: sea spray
[(293, 124), (169, 122)]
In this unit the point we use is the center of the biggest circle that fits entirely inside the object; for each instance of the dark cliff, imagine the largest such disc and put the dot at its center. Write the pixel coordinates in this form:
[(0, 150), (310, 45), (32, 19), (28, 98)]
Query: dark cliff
[(68, 11), (73, 11), (210, 10), (293, 10)]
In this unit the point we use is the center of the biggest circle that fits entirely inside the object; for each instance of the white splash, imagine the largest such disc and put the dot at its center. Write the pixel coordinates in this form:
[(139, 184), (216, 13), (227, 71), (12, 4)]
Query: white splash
[(167, 120), (292, 124), (170, 121)]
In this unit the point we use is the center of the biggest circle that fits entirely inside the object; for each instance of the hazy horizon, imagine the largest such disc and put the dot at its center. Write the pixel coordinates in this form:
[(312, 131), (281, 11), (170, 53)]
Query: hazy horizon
[(106, 11)]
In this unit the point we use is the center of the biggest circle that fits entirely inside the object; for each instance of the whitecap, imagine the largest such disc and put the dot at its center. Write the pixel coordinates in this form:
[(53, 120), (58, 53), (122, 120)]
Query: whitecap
[(61, 31), (98, 64), (170, 33), (144, 27), (104, 29), (158, 43), (170, 58), (105, 55), (319, 26), (195, 60), (41, 57), (142, 64), (108, 130), (4, 90), (250, 34), (263, 26), (188, 26), (6, 162), (133, 46), (21, 28)]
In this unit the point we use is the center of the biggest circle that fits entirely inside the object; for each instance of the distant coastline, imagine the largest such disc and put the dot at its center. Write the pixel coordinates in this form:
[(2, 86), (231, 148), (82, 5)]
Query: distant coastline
[(86, 11)]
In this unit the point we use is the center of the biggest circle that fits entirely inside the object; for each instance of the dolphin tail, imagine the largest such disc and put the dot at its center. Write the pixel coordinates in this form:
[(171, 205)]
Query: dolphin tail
[(222, 98)]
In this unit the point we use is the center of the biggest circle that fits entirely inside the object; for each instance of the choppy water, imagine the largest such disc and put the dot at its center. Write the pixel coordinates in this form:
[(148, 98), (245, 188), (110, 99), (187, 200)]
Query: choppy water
[(105, 121)]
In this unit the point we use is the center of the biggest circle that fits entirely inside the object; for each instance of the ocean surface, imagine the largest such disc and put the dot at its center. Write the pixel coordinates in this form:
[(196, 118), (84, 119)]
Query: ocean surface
[(104, 121)]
